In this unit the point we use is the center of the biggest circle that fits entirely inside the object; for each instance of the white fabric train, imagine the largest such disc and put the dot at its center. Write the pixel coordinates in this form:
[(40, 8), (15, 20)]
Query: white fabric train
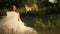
[(10, 25)]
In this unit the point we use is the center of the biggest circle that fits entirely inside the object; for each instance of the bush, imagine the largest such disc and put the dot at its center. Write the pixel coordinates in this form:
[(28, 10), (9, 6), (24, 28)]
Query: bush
[(2, 12)]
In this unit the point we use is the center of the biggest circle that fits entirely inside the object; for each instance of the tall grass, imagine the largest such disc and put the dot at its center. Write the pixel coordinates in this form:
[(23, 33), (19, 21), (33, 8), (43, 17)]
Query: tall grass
[(43, 20)]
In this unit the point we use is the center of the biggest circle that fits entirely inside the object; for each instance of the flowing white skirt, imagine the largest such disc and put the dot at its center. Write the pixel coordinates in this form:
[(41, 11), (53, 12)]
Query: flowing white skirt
[(9, 26)]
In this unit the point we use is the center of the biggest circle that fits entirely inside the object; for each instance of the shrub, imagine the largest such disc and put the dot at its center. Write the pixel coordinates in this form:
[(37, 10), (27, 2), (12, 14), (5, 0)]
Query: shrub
[(2, 12)]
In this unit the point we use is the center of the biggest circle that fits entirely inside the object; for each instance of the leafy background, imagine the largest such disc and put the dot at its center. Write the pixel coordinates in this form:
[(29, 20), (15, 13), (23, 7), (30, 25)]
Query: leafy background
[(45, 19)]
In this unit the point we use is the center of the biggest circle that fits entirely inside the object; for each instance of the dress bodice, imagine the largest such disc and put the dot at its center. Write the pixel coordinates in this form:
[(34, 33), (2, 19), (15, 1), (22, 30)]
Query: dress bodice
[(12, 15)]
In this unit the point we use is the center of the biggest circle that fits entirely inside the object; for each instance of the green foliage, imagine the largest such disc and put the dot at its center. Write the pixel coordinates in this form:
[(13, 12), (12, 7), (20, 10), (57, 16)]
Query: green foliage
[(41, 11), (30, 2), (43, 19), (2, 12)]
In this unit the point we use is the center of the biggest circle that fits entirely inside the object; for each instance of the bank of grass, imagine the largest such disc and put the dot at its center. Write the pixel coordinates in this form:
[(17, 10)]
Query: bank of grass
[(43, 20), (47, 23)]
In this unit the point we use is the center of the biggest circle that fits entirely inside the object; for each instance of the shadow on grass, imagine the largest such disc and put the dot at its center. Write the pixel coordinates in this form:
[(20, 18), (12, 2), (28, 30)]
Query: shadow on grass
[(46, 24)]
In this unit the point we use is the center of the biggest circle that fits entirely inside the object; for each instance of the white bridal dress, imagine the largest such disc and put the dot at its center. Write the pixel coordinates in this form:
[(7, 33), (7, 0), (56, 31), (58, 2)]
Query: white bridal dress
[(10, 25)]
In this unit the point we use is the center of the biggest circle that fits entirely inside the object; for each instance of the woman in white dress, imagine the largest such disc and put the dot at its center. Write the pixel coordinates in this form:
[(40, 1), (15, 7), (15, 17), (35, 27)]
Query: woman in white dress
[(12, 24)]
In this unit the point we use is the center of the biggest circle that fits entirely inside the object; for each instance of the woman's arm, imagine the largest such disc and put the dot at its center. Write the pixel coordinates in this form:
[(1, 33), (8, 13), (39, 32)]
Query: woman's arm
[(19, 17)]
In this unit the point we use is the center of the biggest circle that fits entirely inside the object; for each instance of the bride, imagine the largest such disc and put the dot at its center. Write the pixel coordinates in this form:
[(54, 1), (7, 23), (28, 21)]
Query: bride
[(12, 24)]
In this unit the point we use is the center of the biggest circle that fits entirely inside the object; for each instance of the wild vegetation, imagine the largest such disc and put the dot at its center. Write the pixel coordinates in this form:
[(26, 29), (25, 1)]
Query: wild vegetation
[(44, 19)]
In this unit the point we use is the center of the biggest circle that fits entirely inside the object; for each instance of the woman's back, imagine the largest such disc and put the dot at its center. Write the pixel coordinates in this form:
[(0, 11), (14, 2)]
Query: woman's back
[(12, 15)]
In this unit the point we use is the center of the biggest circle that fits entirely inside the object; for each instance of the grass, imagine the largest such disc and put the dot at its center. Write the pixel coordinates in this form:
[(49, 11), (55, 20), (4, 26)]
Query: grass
[(43, 24)]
